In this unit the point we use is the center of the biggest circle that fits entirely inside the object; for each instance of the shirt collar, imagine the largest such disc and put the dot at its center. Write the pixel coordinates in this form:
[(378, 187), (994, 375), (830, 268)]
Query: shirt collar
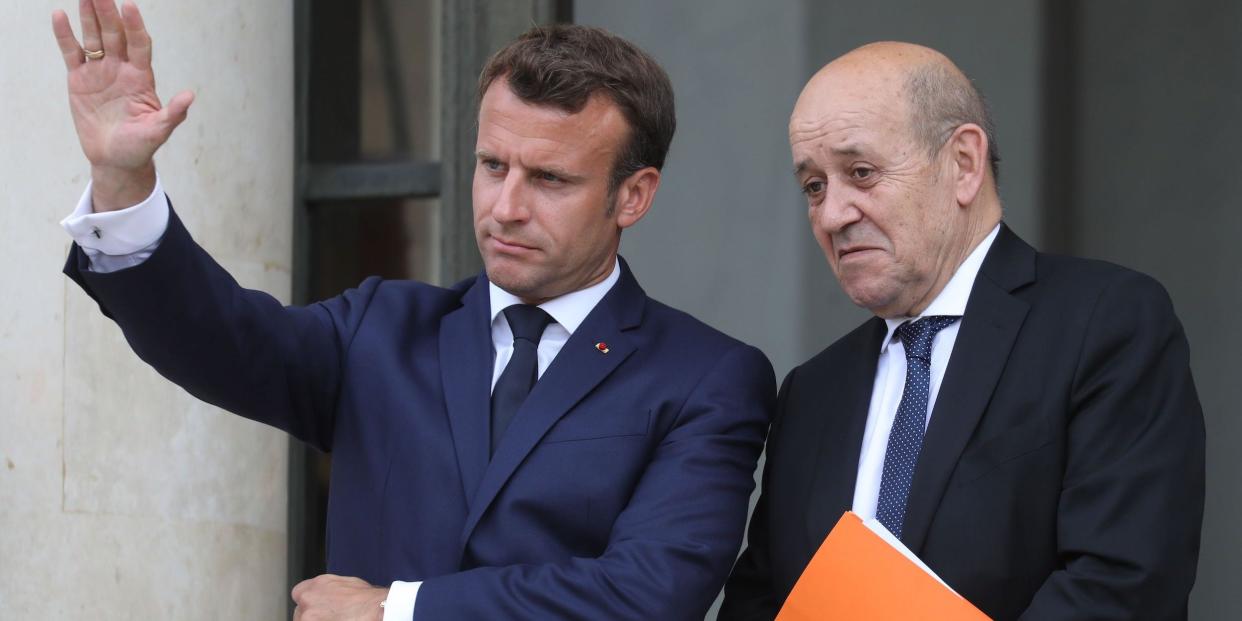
[(952, 299), (568, 310)]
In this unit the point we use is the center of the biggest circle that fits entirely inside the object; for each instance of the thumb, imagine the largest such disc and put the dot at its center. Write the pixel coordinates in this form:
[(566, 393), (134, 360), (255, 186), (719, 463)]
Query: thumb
[(175, 110)]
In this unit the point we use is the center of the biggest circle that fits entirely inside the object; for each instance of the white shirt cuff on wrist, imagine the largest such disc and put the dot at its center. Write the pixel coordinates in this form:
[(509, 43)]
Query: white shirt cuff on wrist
[(122, 232), (400, 603)]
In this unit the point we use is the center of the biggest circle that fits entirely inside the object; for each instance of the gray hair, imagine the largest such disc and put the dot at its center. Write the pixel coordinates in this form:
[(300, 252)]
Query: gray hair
[(941, 100)]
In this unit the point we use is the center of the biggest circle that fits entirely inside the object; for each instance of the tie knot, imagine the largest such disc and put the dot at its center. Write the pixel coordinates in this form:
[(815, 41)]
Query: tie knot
[(917, 336), (527, 321)]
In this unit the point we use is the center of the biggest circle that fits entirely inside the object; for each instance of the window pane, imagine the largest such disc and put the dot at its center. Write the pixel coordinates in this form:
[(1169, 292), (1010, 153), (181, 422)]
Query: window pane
[(399, 74), (389, 238), (373, 80)]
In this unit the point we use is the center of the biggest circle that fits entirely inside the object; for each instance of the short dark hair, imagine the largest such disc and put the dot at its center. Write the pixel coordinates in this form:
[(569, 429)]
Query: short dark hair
[(563, 65), (941, 100)]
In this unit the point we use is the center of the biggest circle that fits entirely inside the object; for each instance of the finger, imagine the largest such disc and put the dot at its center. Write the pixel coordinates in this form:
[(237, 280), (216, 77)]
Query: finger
[(69, 48), (174, 112), (298, 590), (90, 26), (138, 42), (110, 28)]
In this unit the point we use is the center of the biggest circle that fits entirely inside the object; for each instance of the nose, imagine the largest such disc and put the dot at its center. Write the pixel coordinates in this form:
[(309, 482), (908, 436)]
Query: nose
[(511, 202), (838, 209)]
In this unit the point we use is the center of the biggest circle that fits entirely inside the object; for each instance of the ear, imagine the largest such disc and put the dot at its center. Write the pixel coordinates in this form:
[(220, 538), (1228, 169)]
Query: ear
[(968, 146), (634, 197)]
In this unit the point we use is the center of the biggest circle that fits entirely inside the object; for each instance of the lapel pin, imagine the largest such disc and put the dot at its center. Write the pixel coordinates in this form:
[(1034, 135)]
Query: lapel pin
[(602, 347)]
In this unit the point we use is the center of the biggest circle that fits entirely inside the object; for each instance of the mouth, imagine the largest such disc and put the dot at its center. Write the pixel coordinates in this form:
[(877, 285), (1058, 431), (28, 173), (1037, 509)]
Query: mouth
[(507, 245), (855, 251)]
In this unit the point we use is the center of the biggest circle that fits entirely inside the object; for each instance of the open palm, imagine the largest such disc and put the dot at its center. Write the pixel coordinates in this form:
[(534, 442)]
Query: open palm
[(116, 111)]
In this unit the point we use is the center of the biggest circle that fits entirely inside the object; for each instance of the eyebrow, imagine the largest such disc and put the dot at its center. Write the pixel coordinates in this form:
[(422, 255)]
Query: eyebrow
[(551, 170), (849, 150), (559, 172)]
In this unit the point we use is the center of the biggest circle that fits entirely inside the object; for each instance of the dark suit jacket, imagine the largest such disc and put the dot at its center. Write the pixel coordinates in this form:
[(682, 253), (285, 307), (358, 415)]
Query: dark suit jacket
[(1061, 475), (619, 490)]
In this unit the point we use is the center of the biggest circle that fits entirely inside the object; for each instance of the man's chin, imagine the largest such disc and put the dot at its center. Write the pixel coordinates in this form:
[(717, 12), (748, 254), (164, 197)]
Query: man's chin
[(879, 301), (505, 269), (523, 286)]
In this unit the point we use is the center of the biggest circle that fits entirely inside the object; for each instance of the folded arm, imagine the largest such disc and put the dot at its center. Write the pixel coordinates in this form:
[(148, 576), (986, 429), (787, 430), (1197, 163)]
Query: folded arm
[(671, 547), (749, 594)]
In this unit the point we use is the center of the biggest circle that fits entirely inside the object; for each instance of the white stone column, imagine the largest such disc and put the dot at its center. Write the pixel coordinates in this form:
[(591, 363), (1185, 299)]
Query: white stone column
[(122, 497)]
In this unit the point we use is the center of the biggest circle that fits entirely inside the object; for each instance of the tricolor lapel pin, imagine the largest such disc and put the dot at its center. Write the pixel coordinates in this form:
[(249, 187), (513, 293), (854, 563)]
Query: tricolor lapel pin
[(602, 347)]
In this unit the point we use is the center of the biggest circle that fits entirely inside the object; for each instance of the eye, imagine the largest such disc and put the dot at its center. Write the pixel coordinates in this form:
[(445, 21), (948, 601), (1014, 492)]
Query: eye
[(492, 165), (861, 173), (812, 188), (548, 177)]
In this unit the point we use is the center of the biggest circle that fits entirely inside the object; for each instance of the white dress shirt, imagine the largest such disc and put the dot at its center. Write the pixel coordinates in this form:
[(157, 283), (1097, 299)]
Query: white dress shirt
[(890, 376), (115, 240), (568, 312), (125, 238)]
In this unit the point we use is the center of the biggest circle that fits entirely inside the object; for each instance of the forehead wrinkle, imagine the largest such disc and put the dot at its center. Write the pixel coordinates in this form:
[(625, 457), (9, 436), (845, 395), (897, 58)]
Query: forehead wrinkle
[(842, 140), (536, 150), (537, 122), (518, 129), (826, 123)]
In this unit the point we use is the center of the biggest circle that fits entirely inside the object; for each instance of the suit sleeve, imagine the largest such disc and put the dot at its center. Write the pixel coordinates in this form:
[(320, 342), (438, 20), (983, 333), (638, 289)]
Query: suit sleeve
[(1131, 505), (671, 547), (749, 593), (232, 347)]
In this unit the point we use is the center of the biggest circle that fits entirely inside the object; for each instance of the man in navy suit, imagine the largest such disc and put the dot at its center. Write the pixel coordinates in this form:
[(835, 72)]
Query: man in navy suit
[(540, 441), (1025, 423)]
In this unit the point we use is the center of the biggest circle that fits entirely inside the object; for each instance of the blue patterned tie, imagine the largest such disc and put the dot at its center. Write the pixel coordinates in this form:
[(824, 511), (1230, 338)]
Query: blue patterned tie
[(527, 323), (905, 441)]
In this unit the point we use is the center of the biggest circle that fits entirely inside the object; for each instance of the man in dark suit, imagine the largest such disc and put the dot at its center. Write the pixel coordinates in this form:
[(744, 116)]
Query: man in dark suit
[(1025, 423), (541, 441)]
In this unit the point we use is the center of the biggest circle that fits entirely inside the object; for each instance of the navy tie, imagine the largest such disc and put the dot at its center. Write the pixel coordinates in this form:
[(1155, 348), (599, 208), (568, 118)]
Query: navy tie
[(527, 323), (905, 441)]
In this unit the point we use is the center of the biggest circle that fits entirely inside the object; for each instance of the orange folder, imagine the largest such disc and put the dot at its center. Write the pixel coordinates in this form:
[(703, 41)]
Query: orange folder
[(856, 574)]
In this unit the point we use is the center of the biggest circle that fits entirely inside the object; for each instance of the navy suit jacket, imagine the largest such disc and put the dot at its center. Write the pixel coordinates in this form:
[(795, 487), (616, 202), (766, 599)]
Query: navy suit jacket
[(1062, 473), (618, 492)]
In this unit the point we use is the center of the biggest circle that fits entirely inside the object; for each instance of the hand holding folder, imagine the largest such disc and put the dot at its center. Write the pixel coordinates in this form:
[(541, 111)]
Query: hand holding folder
[(858, 573)]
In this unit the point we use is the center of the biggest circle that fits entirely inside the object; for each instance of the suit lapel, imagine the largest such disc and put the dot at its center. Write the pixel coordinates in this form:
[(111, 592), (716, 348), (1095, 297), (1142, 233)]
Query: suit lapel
[(987, 334), (574, 373), (466, 372), (840, 396)]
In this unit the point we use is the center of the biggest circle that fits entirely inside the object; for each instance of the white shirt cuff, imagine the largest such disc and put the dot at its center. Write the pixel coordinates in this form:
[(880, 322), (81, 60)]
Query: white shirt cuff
[(119, 233), (400, 603)]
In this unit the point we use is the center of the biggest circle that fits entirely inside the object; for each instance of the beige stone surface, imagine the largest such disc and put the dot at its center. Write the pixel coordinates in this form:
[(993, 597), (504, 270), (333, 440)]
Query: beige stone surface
[(166, 454), (94, 566), (122, 497)]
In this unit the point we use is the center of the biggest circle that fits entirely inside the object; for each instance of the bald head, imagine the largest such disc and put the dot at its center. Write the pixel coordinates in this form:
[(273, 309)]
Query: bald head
[(933, 95)]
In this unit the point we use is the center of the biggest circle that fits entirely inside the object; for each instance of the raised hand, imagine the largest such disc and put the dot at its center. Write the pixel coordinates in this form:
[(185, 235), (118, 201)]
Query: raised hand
[(116, 112)]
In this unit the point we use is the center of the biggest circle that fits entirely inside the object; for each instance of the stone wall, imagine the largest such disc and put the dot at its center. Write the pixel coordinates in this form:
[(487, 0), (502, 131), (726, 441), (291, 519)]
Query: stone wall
[(121, 496)]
